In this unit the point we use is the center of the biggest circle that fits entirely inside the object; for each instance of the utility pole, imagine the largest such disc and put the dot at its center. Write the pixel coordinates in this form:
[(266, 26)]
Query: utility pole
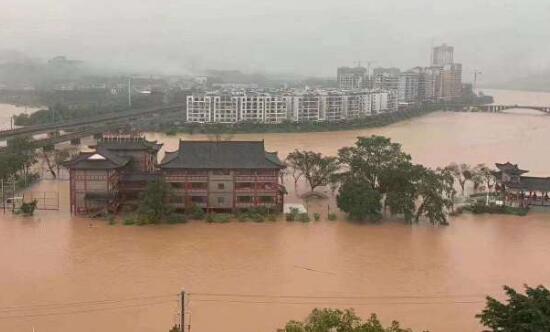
[(184, 302), (3, 196)]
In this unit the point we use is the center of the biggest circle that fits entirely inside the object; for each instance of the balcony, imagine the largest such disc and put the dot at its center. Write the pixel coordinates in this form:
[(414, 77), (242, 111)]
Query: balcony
[(254, 178)]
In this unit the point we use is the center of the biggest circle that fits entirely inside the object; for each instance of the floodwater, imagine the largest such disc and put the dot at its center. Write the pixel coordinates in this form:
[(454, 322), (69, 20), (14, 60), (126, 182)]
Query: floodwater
[(60, 273), (7, 111)]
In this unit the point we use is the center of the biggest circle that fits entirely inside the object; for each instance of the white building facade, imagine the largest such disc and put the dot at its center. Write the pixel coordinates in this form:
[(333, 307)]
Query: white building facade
[(306, 106)]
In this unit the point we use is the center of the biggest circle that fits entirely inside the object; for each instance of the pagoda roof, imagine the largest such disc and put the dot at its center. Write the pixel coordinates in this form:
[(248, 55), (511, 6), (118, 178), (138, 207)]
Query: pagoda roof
[(97, 160), (531, 183), (128, 144), (221, 155), (510, 168)]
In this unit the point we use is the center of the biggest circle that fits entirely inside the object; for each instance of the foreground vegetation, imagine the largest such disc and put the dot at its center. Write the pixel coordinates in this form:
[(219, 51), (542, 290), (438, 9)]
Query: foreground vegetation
[(326, 320)]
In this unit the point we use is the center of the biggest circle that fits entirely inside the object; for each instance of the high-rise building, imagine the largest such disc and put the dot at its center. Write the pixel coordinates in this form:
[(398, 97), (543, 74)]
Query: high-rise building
[(442, 55), (408, 86), (386, 78), (352, 78), (451, 81)]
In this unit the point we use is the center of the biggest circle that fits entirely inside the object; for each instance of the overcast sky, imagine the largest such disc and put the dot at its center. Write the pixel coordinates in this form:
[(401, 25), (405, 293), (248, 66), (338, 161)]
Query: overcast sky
[(309, 37)]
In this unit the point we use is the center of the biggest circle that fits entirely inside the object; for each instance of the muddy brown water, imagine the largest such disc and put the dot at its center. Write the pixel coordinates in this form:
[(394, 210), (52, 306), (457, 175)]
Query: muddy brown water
[(62, 273)]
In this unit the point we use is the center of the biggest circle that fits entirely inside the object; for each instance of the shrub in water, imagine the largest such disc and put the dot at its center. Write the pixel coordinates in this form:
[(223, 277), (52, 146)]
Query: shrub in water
[(130, 220), (332, 216), (316, 216), (272, 217), (257, 217), (176, 218), (196, 213), (304, 217)]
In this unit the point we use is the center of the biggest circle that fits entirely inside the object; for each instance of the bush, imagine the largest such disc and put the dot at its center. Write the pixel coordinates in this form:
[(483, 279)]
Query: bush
[(293, 215), (220, 218), (481, 208), (196, 213), (256, 217), (316, 216), (332, 216), (303, 217), (176, 218), (130, 220), (111, 219), (242, 217), (28, 208), (272, 217)]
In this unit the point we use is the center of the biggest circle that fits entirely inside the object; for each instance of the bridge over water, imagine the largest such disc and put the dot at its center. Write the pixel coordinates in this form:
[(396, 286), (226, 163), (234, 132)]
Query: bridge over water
[(499, 108), (92, 120)]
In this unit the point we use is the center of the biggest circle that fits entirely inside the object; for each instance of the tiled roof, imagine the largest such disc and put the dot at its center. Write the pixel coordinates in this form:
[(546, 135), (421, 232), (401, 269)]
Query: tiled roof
[(221, 155), (510, 168), (129, 144), (88, 160), (530, 183)]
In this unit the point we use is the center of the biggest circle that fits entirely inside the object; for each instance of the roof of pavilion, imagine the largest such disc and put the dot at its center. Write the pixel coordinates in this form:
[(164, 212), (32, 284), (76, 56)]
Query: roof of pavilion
[(221, 155), (101, 159), (531, 183), (510, 168), (127, 143)]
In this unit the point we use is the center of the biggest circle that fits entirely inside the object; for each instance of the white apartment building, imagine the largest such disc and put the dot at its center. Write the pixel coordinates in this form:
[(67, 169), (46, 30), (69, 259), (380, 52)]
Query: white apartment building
[(334, 106), (199, 109), (252, 108), (308, 107), (226, 109), (355, 104), (276, 109)]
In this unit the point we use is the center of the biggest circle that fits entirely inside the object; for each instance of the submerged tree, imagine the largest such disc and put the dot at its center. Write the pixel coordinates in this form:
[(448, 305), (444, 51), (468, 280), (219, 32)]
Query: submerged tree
[(359, 200), (153, 207), (376, 168), (520, 313), (316, 168), (433, 191), (328, 320), (371, 159)]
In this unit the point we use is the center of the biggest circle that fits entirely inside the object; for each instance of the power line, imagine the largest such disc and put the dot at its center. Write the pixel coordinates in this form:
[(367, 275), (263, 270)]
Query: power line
[(339, 296), (86, 310), (96, 302), (337, 303)]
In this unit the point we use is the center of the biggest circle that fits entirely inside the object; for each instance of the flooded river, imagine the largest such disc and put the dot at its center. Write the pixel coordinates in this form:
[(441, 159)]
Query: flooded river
[(60, 273), (7, 111)]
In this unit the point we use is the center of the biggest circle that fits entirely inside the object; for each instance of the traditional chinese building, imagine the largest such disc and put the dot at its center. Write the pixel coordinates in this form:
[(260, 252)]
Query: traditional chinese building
[(221, 176), (520, 190), (227, 175), (114, 173)]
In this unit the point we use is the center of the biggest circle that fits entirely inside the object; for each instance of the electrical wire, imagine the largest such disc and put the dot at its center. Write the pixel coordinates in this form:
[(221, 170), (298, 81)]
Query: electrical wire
[(95, 302), (86, 310), (362, 297), (337, 303)]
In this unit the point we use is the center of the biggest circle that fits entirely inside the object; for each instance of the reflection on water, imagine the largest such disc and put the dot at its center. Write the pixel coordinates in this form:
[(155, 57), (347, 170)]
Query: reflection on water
[(427, 277)]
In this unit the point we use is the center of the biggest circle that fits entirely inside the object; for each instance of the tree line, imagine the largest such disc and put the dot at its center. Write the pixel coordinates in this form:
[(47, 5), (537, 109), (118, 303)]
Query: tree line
[(375, 176)]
